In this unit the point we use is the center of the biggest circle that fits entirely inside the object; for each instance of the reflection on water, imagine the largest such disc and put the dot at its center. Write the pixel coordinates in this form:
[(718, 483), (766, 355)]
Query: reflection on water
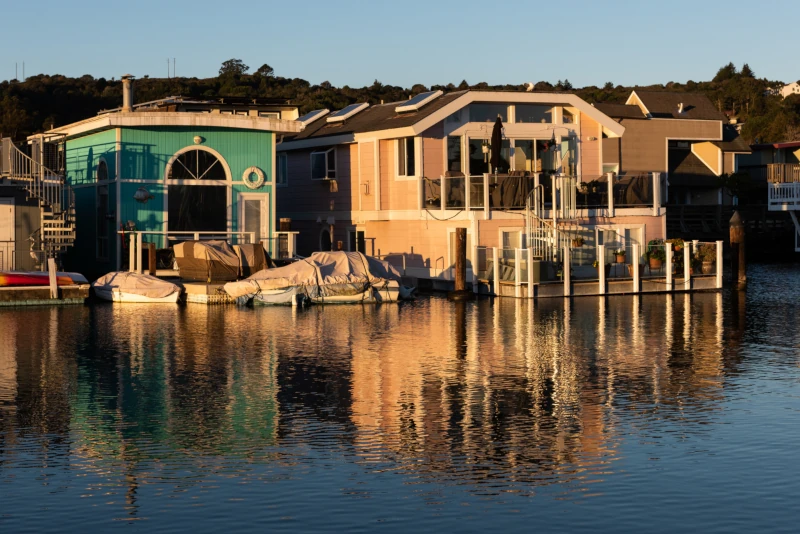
[(371, 415)]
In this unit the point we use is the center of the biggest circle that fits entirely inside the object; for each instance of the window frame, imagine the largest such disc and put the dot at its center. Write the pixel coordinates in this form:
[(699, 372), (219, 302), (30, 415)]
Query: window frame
[(281, 162), (397, 159), (330, 157)]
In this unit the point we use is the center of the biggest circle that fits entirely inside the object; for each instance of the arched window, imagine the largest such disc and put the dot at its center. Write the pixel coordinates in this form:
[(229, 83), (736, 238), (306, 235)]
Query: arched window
[(196, 164), (102, 171), (197, 203)]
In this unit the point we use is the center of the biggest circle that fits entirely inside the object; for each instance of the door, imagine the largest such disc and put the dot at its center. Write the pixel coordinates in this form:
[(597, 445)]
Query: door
[(254, 215), (7, 228)]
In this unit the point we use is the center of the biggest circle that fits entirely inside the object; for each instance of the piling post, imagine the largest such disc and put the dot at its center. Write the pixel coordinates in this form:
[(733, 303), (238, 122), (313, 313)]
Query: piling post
[(687, 266), (565, 272), (132, 253), (139, 253), (151, 258), (601, 269), (495, 272), (530, 273), (460, 290), (635, 267), (738, 261), (51, 271), (668, 265), (719, 264)]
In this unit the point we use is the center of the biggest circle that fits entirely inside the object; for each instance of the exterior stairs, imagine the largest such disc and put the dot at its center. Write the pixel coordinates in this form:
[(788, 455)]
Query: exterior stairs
[(56, 199), (547, 237)]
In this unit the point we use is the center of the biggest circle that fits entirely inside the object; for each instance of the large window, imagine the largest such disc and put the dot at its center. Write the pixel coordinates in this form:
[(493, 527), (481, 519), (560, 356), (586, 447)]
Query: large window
[(454, 154), (193, 204), (488, 112), (533, 113), (406, 157), (567, 117), (196, 165), (478, 161), (323, 165), (524, 155), (282, 169), (102, 171), (545, 156)]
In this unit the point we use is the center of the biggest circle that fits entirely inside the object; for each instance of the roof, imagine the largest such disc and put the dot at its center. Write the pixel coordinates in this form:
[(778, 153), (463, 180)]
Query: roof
[(133, 119), (384, 122), (687, 169), (788, 144), (732, 141), (378, 117), (620, 111), (665, 104)]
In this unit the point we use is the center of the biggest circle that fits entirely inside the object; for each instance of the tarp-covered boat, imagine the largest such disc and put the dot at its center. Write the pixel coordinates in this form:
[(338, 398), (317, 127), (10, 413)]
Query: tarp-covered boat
[(207, 261), (134, 287), (34, 279), (324, 277)]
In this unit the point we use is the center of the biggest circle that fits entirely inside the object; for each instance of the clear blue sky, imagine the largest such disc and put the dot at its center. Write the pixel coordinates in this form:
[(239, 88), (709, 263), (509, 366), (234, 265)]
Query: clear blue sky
[(402, 43)]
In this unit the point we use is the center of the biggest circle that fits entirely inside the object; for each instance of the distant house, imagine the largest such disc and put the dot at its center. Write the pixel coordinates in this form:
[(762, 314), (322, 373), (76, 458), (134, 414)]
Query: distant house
[(680, 134), (790, 89)]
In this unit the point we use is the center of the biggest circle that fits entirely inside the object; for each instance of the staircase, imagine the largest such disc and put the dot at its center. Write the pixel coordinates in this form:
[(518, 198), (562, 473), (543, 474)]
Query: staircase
[(547, 237), (56, 199)]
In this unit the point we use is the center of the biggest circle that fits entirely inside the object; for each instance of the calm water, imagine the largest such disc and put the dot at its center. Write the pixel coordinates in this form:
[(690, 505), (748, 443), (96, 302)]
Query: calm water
[(656, 413)]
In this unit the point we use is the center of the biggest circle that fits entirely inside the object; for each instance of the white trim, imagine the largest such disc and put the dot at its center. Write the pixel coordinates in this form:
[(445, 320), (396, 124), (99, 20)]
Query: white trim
[(417, 150), (190, 148), (118, 178), (377, 171), (161, 118), (327, 153)]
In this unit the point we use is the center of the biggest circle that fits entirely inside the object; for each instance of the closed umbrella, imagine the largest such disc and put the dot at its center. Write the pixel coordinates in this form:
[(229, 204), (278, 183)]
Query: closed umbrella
[(497, 142)]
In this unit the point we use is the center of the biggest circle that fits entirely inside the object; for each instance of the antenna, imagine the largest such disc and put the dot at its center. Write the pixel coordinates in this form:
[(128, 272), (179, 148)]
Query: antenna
[(173, 68), (23, 71), (168, 68)]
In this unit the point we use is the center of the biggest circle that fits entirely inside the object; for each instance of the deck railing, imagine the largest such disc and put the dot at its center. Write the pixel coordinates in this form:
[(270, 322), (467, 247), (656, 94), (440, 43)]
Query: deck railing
[(783, 195), (782, 173)]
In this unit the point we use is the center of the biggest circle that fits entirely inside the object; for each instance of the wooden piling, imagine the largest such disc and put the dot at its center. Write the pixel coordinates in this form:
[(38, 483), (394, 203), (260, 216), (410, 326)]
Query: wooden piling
[(151, 258), (460, 290), (738, 261)]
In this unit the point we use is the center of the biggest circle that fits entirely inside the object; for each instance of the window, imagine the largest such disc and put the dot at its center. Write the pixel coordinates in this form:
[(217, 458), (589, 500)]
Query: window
[(488, 112), (196, 165), (323, 165), (567, 117), (533, 113), (358, 241), (545, 156), (454, 154), (478, 161), (102, 171), (269, 114), (282, 169), (406, 164), (511, 239), (524, 157)]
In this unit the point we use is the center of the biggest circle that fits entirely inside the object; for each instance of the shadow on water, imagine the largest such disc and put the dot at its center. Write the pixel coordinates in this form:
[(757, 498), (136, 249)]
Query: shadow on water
[(491, 397)]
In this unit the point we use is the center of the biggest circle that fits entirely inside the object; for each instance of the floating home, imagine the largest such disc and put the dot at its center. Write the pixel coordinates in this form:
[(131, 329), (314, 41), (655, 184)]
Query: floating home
[(395, 180), (170, 170)]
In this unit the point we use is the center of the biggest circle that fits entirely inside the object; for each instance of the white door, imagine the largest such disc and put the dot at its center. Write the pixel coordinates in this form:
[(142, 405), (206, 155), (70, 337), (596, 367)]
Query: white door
[(7, 228), (254, 215)]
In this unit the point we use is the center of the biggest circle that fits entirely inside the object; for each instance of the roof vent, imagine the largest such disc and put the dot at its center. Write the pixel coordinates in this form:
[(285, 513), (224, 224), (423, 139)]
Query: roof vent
[(680, 107)]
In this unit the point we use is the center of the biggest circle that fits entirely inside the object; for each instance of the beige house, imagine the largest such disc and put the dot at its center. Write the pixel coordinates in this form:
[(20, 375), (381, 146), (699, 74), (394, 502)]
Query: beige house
[(680, 134), (395, 180)]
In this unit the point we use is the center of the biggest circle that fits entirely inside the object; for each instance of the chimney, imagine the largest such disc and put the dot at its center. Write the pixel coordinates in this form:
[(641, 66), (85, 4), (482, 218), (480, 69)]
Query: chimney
[(127, 92), (680, 107)]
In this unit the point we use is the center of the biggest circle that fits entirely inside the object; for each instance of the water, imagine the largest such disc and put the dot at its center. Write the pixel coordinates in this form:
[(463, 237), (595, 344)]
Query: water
[(659, 413)]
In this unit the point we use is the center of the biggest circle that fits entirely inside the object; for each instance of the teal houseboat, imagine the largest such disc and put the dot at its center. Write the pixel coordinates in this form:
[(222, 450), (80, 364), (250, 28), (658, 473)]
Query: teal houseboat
[(171, 169)]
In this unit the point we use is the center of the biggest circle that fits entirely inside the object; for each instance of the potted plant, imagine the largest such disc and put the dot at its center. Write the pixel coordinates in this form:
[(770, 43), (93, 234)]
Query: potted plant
[(607, 266), (577, 242), (620, 255), (677, 244), (707, 255), (656, 256)]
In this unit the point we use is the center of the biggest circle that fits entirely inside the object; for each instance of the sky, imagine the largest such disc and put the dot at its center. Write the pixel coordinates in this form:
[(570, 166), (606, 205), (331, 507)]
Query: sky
[(403, 43)]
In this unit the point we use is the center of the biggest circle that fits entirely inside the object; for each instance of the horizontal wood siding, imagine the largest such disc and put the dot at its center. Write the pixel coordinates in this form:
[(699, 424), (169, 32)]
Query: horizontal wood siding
[(644, 143), (433, 151), (386, 147), (367, 170), (589, 151)]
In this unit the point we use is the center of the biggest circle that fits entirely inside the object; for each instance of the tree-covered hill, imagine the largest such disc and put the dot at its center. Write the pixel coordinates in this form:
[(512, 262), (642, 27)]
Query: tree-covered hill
[(45, 100)]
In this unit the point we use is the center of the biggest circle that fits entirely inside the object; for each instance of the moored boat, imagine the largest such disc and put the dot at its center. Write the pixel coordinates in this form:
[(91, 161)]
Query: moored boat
[(38, 278), (134, 287)]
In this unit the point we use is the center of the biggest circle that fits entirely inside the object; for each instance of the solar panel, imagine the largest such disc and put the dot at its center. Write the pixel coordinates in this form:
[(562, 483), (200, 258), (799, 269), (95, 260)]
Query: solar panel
[(311, 116), (418, 101), (347, 112)]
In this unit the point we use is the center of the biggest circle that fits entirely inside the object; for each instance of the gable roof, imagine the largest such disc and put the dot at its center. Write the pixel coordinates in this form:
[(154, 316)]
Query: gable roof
[(620, 111), (384, 122), (665, 104), (731, 141), (378, 117)]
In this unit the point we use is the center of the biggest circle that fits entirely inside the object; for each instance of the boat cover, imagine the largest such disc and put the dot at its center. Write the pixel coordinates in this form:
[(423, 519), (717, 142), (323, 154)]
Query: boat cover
[(252, 258), (136, 284), (323, 274), (209, 261)]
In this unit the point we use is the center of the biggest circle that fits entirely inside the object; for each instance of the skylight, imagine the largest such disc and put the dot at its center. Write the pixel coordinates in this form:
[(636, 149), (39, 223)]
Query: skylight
[(311, 116), (418, 101), (346, 113)]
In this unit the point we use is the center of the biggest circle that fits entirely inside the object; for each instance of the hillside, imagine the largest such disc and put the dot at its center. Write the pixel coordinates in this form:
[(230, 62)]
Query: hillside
[(45, 100)]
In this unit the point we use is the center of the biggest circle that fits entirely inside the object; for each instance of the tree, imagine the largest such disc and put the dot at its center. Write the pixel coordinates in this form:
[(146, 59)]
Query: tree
[(463, 85), (265, 70), (725, 73), (608, 86), (747, 72), (235, 67)]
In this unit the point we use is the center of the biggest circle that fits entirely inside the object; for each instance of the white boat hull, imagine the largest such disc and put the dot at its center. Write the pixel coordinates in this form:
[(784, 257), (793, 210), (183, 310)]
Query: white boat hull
[(121, 296)]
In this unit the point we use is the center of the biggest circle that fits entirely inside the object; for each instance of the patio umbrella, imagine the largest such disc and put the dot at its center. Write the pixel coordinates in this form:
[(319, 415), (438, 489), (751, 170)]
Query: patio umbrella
[(497, 142)]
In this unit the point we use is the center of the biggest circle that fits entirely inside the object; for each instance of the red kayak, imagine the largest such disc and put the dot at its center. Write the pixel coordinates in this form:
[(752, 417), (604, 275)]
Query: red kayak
[(32, 279)]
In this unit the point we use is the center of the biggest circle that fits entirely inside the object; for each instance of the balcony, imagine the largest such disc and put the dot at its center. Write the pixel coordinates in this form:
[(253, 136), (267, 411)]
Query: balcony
[(569, 194)]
